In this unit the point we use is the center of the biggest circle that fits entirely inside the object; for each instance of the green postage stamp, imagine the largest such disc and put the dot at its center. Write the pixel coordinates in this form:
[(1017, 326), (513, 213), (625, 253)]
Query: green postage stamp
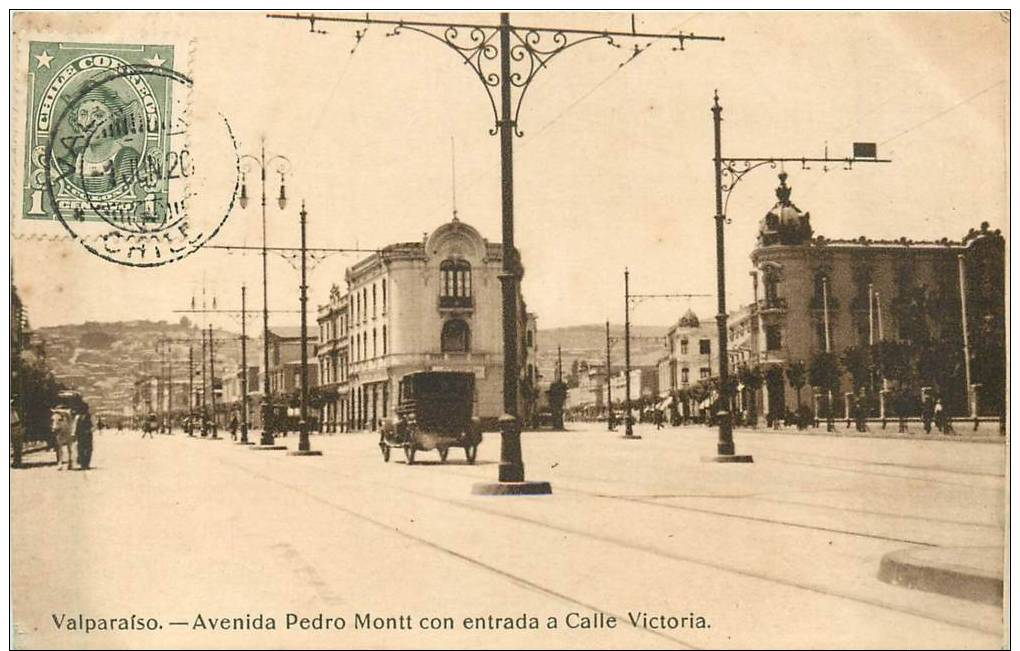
[(97, 142)]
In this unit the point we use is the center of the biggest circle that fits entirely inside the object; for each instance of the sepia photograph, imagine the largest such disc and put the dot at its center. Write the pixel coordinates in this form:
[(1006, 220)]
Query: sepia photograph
[(509, 328)]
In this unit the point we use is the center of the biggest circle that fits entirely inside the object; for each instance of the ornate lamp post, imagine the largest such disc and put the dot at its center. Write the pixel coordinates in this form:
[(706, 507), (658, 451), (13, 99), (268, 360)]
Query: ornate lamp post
[(728, 172), (304, 446), (505, 58), (281, 165)]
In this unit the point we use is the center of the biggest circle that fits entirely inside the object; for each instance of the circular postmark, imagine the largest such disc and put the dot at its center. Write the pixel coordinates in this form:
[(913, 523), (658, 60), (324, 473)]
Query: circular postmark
[(138, 167)]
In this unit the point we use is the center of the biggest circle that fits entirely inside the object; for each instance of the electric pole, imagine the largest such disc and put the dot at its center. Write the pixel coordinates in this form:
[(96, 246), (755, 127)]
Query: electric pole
[(729, 170), (304, 445), (522, 51)]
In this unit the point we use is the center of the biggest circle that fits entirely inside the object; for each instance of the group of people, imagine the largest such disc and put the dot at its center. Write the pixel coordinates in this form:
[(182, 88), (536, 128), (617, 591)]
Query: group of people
[(71, 425)]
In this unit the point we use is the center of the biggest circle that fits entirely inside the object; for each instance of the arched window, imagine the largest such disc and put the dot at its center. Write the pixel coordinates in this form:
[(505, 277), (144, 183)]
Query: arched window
[(455, 283), (456, 337)]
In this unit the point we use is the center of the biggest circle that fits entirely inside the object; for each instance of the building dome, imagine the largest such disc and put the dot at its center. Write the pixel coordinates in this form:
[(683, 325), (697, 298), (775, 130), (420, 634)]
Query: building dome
[(785, 223), (689, 320)]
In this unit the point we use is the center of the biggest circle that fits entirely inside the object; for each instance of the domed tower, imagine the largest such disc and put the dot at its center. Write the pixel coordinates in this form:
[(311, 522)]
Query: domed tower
[(785, 224), (689, 320)]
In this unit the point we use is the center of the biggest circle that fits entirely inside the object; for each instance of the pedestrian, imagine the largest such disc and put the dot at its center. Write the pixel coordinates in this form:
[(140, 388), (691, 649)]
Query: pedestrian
[(927, 413), (658, 419), (939, 416), (233, 427), (83, 434)]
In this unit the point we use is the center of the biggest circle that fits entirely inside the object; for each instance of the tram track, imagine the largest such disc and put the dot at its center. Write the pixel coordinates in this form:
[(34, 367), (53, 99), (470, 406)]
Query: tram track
[(612, 540), (442, 549)]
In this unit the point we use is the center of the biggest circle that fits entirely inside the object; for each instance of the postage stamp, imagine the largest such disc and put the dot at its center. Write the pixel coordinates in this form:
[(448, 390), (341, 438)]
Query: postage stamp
[(110, 151)]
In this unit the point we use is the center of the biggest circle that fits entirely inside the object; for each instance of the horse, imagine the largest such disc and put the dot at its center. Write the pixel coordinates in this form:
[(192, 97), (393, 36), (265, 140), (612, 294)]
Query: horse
[(64, 425)]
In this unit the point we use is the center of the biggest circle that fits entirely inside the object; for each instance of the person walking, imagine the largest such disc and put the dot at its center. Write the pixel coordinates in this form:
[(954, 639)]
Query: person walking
[(83, 434), (939, 416), (927, 413)]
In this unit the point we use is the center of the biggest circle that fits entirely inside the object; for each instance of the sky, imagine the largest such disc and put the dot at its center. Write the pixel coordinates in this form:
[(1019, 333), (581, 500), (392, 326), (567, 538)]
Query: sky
[(614, 168)]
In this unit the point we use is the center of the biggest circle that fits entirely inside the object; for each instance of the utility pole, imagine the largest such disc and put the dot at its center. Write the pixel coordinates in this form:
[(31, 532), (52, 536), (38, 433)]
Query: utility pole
[(282, 164), (170, 387), (971, 394), (212, 382), (628, 297), (244, 366), (729, 170), (628, 420), (191, 390), (609, 382), (520, 59), (304, 446), (205, 419), (829, 426)]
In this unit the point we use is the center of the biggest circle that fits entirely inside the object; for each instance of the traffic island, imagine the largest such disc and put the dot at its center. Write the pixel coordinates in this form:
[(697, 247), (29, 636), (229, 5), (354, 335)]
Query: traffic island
[(631, 437), (268, 447), (729, 458), (513, 488), (971, 573), (305, 453)]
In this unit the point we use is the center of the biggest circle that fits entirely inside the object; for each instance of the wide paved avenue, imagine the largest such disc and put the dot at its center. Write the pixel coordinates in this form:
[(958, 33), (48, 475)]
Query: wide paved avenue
[(781, 552)]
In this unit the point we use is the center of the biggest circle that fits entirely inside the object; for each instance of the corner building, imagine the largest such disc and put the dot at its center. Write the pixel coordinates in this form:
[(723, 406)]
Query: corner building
[(416, 306)]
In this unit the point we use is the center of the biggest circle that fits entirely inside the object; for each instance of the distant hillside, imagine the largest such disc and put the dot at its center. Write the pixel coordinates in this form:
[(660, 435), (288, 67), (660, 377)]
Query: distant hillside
[(103, 360), (588, 342)]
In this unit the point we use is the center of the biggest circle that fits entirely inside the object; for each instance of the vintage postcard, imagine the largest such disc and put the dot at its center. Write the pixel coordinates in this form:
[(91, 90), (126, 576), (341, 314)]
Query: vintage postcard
[(509, 329)]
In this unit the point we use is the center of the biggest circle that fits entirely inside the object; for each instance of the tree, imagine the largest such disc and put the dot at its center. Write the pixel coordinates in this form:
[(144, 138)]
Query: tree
[(857, 361), (796, 375), (823, 373)]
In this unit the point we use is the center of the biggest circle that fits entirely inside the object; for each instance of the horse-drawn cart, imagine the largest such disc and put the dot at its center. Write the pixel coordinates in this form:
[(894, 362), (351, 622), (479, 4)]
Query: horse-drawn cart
[(434, 412)]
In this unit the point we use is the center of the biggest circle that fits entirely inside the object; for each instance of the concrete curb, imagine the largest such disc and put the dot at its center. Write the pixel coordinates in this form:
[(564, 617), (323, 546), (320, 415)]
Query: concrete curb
[(971, 573)]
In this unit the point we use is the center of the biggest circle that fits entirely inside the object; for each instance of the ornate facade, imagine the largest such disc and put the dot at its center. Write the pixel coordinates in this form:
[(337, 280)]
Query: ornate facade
[(429, 305), (869, 291)]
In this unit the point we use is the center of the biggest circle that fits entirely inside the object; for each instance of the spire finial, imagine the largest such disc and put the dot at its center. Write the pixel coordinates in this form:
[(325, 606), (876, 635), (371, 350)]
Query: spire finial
[(783, 191), (453, 175)]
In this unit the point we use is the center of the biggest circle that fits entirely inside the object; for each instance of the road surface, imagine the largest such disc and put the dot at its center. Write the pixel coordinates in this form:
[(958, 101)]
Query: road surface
[(784, 553)]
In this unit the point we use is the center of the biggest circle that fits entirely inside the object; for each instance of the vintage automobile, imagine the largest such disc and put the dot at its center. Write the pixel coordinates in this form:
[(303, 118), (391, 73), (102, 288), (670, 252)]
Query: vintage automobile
[(434, 412)]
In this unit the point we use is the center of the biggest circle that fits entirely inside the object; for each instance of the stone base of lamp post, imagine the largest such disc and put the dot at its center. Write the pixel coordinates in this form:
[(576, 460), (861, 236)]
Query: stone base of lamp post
[(729, 458), (513, 488), (511, 470), (305, 453)]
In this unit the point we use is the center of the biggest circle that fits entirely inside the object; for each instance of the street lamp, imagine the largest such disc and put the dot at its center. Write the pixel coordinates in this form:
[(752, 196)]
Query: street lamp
[(734, 169), (304, 446), (281, 165), (506, 57)]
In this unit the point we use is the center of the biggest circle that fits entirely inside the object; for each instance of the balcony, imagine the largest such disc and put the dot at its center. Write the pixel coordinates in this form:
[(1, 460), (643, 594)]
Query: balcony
[(775, 305), (456, 302)]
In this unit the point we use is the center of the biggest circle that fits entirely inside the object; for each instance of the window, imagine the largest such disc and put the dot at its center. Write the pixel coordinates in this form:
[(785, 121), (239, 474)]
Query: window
[(384, 340), (685, 375), (375, 341), (530, 339), (374, 304), (364, 305), (683, 346), (773, 338), (704, 373), (771, 290), (705, 346), (384, 296), (455, 284), (455, 337)]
